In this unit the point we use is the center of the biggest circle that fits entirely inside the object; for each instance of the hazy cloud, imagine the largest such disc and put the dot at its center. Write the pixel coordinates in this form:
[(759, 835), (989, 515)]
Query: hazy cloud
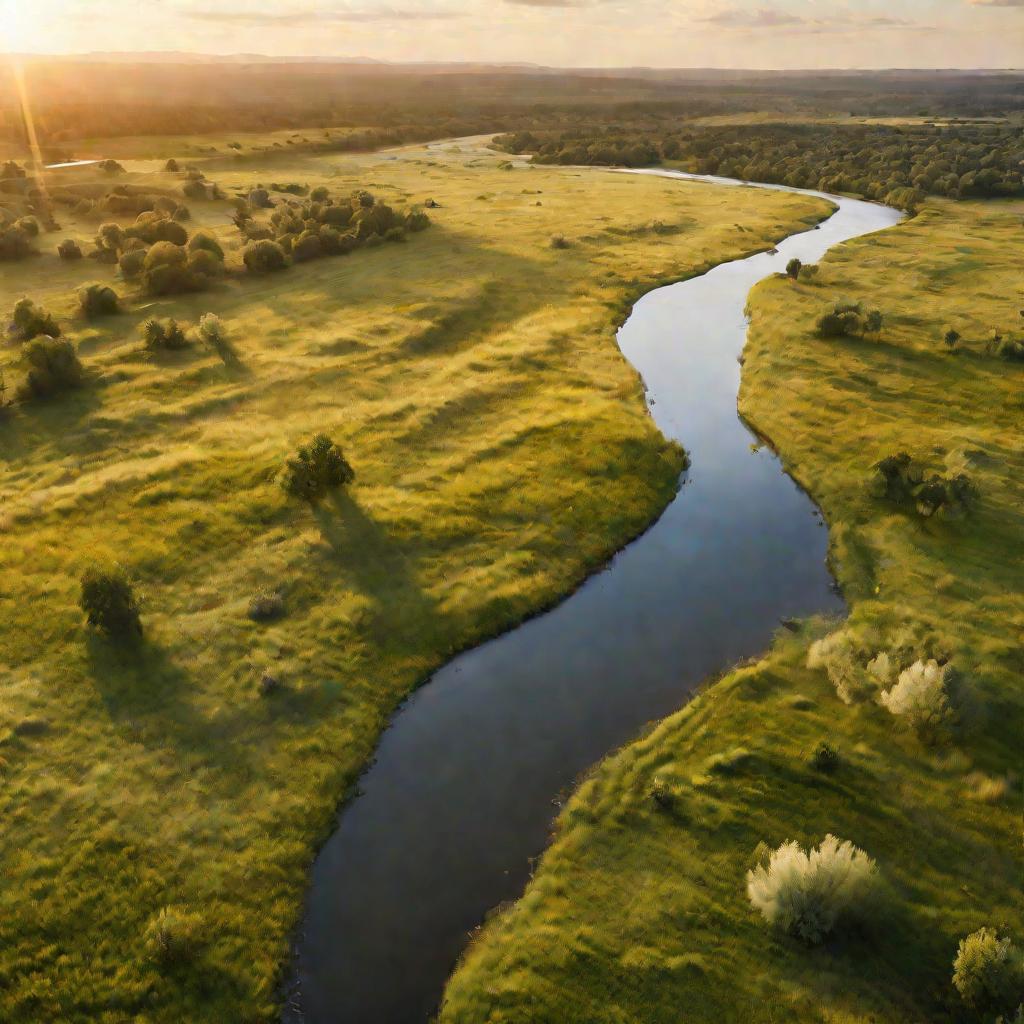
[(769, 18), (302, 16)]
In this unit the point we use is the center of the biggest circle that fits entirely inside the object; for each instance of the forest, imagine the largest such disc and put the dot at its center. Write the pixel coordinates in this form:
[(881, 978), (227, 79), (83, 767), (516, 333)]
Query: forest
[(898, 164)]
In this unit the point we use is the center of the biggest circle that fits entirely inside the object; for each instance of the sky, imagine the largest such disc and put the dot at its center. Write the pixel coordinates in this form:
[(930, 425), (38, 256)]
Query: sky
[(563, 33)]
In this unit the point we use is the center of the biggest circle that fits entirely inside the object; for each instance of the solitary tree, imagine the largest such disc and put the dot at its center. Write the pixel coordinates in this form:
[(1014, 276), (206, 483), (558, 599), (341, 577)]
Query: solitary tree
[(793, 268)]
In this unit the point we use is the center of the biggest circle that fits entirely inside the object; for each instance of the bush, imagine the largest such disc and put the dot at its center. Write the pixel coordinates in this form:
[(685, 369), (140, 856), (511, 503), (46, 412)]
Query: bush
[(172, 166), (259, 199), (165, 271), (920, 697), (793, 268), (900, 479), (266, 606), (264, 256), (28, 321), (111, 167), (951, 338), (560, 242), (319, 194), (316, 468), (53, 367), (173, 936), (843, 320), (28, 226), (839, 656), (152, 227), (14, 244), (417, 220), (69, 249), (98, 300), (109, 603), (211, 330), (988, 972), (131, 263), (808, 894), (307, 247), (205, 266), (337, 216), (825, 758), (164, 335), (203, 240)]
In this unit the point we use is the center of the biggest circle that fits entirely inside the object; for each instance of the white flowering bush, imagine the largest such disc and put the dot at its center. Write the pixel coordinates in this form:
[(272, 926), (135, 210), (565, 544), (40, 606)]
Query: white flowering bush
[(806, 894), (921, 699), (988, 972), (837, 654)]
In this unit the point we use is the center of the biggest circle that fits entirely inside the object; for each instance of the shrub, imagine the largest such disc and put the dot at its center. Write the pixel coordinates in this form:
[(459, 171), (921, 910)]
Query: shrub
[(53, 367), (69, 249), (560, 242), (203, 240), (838, 655), (843, 320), (808, 272), (109, 602), (172, 166), (319, 194), (211, 330), (154, 227), (307, 247), (165, 271), (808, 894), (131, 263), (14, 244), (28, 321), (417, 220), (259, 199), (316, 468), (988, 972), (173, 936), (97, 300), (264, 256), (266, 606), (873, 321), (951, 338), (164, 335), (28, 226), (793, 268), (111, 167), (204, 266), (337, 216), (825, 758), (920, 697)]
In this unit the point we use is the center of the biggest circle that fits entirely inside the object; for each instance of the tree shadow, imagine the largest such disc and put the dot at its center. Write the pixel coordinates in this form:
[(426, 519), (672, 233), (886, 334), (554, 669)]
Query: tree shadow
[(147, 694), (381, 569)]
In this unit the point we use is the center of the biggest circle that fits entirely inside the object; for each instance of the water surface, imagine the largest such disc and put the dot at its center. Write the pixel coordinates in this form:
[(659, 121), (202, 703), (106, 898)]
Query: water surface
[(466, 778)]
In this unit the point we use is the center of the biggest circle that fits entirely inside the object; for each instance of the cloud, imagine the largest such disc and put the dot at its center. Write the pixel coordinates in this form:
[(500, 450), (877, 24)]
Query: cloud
[(771, 18), (997, 3), (304, 16)]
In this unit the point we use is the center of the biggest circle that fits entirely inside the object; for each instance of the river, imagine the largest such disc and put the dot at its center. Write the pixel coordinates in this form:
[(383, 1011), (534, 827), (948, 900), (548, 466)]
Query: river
[(467, 777)]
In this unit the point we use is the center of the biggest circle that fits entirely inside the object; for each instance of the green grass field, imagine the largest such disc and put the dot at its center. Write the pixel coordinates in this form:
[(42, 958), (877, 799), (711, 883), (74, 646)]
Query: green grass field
[(502, 452), (640, 915)]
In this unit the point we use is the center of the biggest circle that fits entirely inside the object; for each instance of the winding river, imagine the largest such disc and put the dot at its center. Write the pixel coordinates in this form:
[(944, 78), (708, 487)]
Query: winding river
[(468, 776)]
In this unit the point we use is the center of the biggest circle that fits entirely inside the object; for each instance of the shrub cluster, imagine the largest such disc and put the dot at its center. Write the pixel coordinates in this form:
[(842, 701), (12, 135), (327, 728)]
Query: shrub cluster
[(171, 269), (164, 335), (15, 242), (53, 367), (173, 936), (316, 468), (900, 479), (28, 321), (848, 319), (807, 894), (320, 226), (69, 250)]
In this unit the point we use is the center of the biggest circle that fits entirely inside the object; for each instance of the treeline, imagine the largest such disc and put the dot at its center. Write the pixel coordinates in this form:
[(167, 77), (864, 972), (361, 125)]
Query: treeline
[(900, 165)]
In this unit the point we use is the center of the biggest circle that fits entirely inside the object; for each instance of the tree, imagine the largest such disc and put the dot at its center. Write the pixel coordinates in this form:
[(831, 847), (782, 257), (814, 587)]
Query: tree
[(873, 322), (793, 268), (951, 338), (109, 603)]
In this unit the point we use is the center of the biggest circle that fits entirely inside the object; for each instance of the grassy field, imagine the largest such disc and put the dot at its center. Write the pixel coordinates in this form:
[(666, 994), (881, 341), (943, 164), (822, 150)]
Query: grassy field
[(502, 452), (640, 915)]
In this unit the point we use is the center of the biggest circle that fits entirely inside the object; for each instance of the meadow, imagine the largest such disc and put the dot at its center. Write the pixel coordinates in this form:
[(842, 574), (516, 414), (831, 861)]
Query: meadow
[(638, 910), (502, 453)]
